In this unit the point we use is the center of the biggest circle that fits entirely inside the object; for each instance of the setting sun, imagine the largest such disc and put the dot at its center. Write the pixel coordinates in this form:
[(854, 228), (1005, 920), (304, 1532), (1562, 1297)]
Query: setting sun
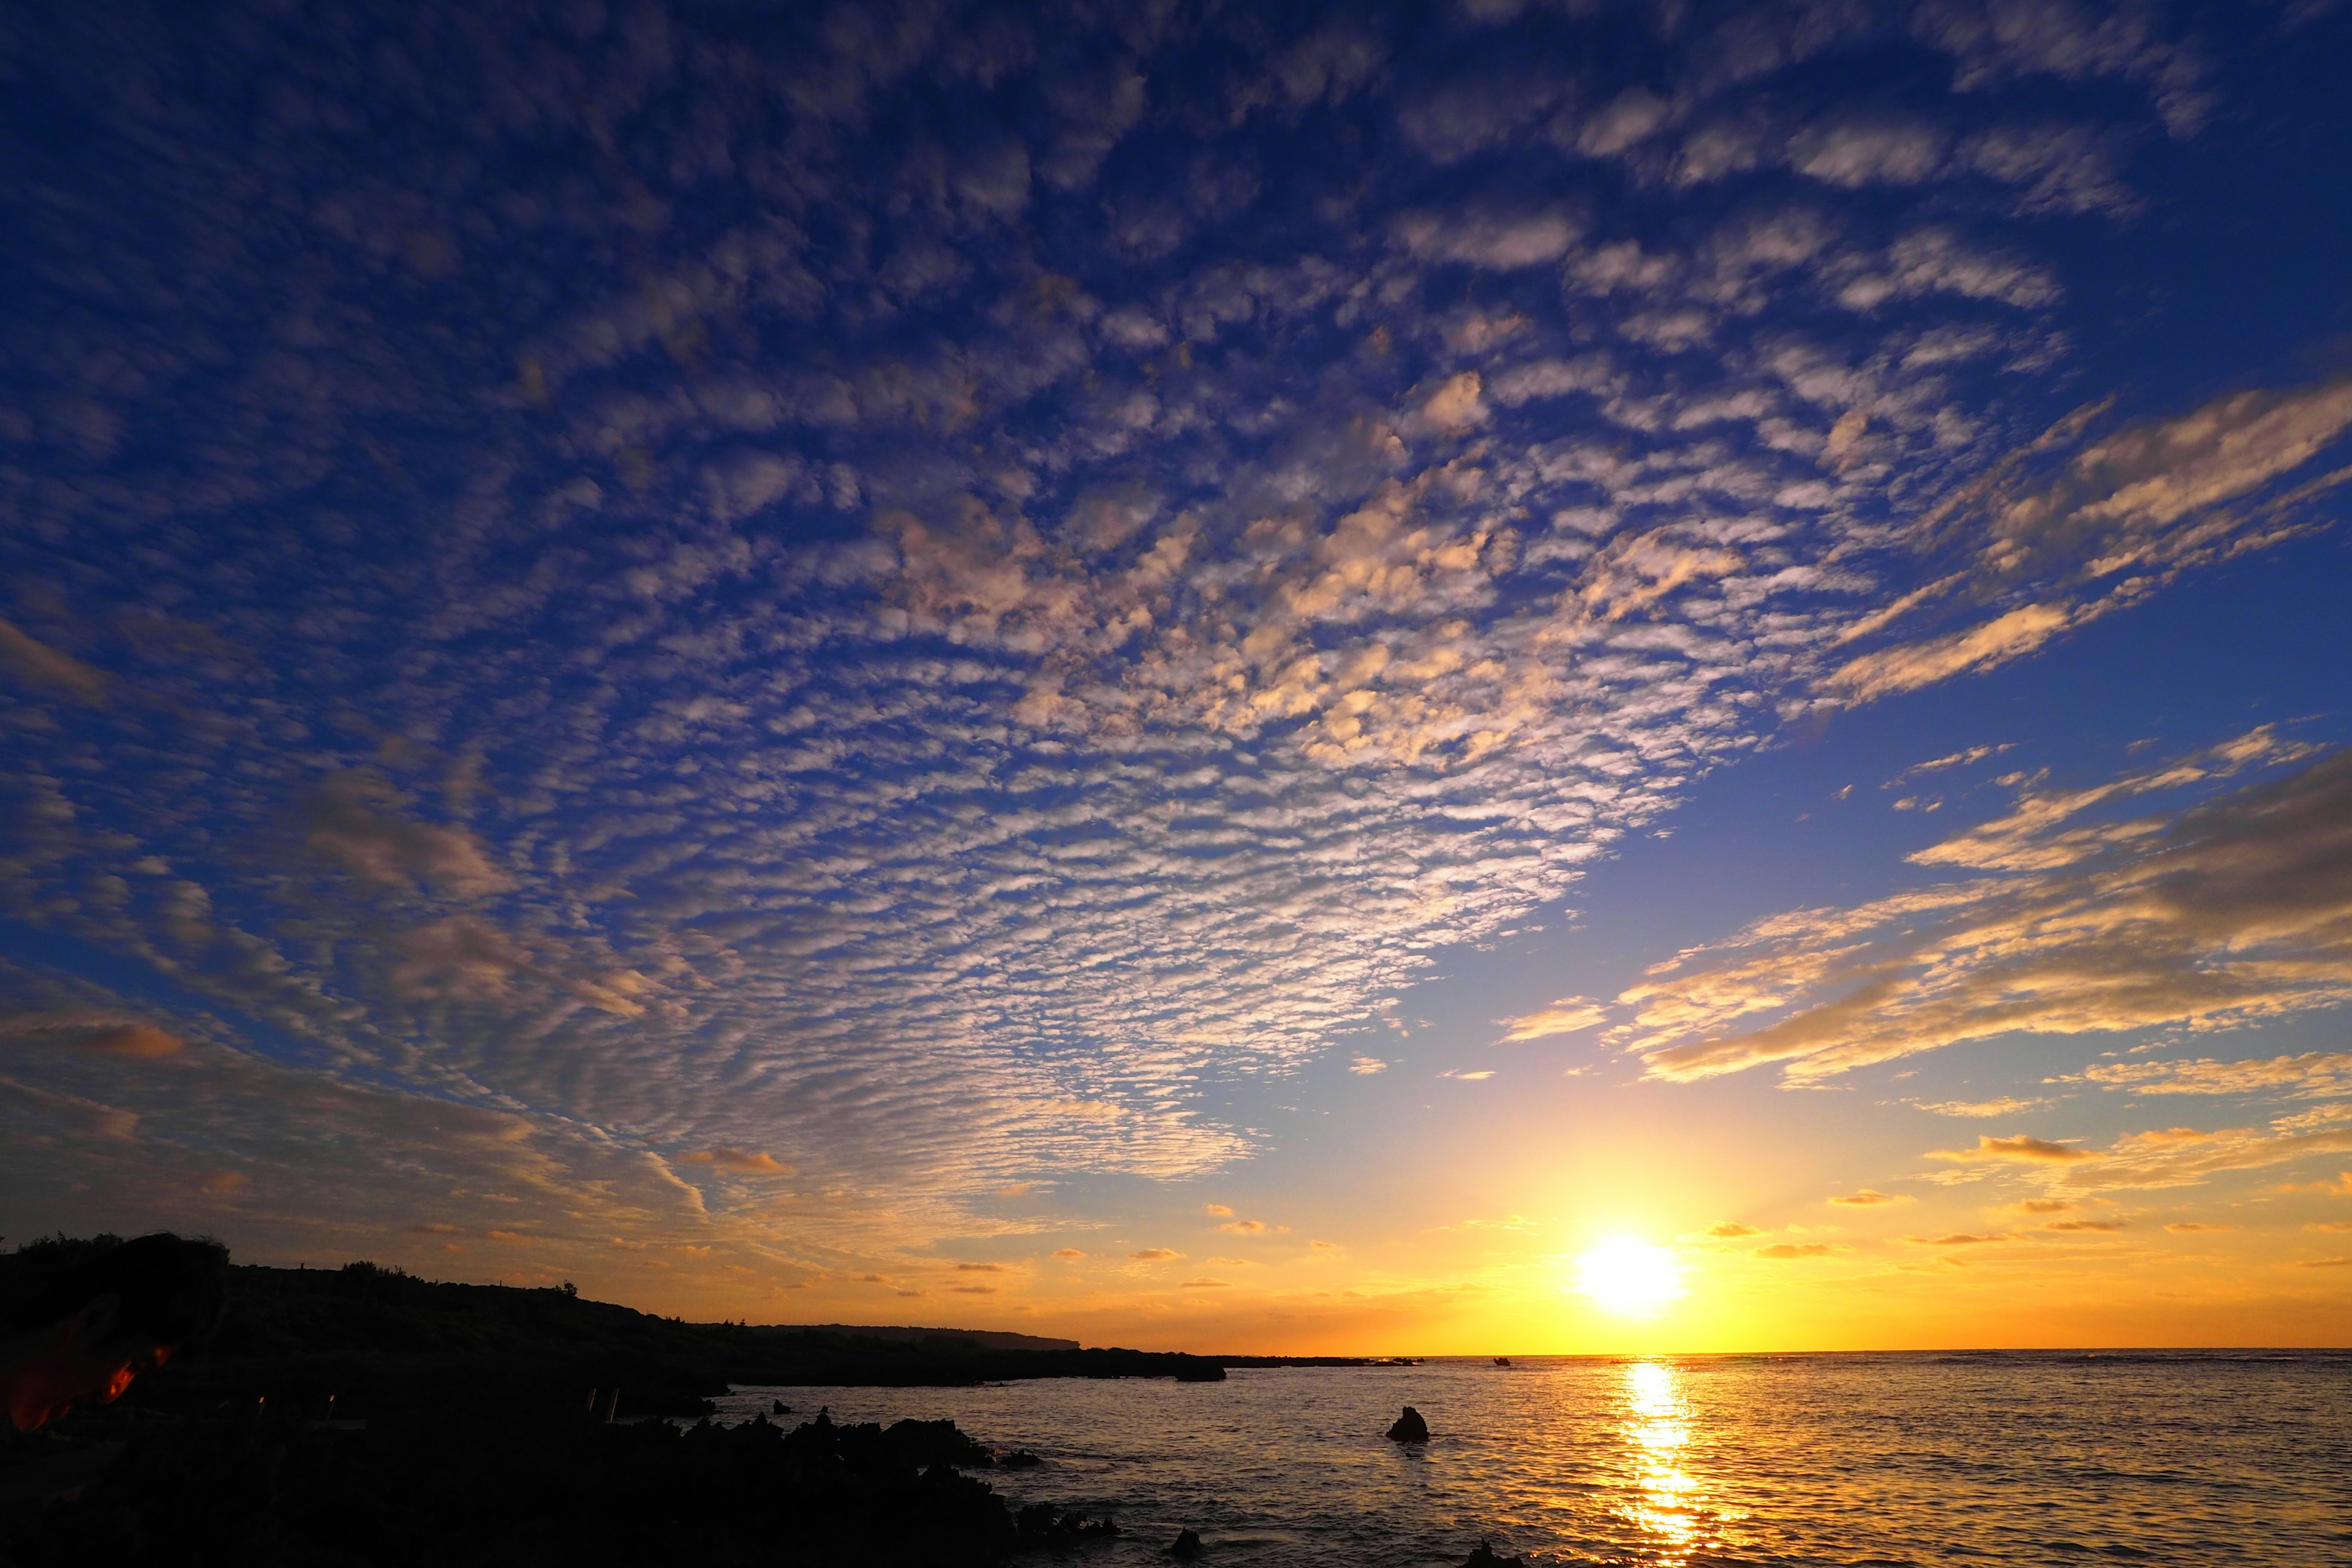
[(1628, 1277)]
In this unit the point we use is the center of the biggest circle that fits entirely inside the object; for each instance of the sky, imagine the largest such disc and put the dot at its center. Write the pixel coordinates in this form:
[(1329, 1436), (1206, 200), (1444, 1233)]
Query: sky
[(1394, 678)]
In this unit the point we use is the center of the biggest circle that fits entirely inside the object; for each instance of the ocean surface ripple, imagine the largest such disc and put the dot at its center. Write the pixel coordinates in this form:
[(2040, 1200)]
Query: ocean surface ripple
[(2192, 1458)]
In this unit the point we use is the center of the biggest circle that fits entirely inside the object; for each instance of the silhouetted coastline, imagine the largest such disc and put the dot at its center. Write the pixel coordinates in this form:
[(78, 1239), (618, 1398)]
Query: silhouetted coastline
[(361, 1415)]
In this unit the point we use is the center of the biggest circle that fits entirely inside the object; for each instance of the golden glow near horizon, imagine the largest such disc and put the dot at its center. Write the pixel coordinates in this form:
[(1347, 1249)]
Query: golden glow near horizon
[(1629, 1278)]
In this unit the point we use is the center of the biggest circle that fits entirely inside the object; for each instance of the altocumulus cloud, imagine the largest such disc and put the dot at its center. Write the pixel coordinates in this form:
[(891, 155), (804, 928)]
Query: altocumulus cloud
[(938, 619), (2231, 910)]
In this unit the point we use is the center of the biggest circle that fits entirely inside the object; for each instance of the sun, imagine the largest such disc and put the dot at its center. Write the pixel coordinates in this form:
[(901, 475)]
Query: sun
[(1628, 1277)]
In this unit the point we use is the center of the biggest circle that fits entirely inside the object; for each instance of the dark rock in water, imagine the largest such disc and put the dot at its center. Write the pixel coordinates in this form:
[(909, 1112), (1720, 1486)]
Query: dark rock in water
[(1042, 1524), (1484, 1557), (1021, 1459), (1410, 1427), (782, 1408), (1187, 1547)]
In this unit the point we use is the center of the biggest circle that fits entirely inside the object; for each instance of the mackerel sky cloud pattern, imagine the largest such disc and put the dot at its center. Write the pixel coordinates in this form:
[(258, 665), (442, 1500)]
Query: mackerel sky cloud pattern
[(772, 624)]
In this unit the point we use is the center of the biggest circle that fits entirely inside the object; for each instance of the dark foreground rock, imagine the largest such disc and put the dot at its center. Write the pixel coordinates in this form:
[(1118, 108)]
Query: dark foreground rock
[(261, 1490), (1186, 1547), (1408, 1428), (1483, 1556)]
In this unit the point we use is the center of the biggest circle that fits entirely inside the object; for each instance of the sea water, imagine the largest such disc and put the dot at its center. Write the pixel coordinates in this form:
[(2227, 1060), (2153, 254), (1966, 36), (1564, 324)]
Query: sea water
[(2181, 1459)]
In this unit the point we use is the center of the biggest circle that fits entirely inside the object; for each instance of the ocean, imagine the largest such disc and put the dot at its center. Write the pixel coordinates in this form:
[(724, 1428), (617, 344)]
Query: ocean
[(2180, 1458)]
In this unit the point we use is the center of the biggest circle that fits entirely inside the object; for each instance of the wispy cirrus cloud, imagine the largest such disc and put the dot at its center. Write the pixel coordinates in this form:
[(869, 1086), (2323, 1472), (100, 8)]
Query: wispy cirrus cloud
[(2226, 912)]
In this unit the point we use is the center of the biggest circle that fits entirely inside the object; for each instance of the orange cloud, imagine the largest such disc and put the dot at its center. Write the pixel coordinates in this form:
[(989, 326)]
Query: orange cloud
[(1204, 1285), (1869, 1197), (1067, 1252), (1902, 669), (2097, 1225), (1569, 1015), (141, 1042), (1730, 1229), (1224, 1209), (723, 1158), (2021, 1147), (1792, 1249), (1155, 1255)]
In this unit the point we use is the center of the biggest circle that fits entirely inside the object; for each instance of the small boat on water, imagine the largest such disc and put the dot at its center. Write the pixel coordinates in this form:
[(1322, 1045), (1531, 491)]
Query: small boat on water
[(1502, 1360)]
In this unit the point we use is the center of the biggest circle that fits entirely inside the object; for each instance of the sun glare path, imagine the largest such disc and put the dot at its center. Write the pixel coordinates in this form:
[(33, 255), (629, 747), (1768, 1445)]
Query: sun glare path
[(1629, 1278), (1657, 1427)]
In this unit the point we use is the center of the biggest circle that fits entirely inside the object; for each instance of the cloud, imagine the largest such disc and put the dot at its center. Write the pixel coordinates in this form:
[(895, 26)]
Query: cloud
[(1732, 1229), (1957, 1238), (2195, 1227), (1784, 1249), (1455, 406), (1224, 1209), (2044, 1205), (1155, 1255), (748, 1161), (2085, 1225), (1252, 1228), (1204, 1284), (1069, 1252), (1890, 670), (2316, 1074), (2223, 912), (981, 1268), (1569, 1015), (1325, 1246), (1959, 759), (1364, 1067), (42, 666), (1977, 1109), (342, 821), (139, 1042), (2326, 1263), (2183, 1156), (1869, 1197), (2022, 1146), (972, 1289), (1497, 240), (2119, 515)]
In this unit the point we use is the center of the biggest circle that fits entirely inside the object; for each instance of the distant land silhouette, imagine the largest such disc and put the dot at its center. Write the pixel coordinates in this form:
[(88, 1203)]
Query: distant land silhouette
[(986, 1339)]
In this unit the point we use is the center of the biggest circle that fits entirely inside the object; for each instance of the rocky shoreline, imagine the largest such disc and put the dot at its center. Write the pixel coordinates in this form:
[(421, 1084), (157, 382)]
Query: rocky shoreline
[(264, 1487)]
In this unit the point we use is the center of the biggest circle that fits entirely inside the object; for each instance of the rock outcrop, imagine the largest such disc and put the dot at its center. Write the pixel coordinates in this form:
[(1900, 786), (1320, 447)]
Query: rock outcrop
[(1410, 1427)]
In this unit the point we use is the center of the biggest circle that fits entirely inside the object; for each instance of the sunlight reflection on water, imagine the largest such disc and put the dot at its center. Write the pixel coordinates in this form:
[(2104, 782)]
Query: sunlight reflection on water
[(1657, 1428)]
